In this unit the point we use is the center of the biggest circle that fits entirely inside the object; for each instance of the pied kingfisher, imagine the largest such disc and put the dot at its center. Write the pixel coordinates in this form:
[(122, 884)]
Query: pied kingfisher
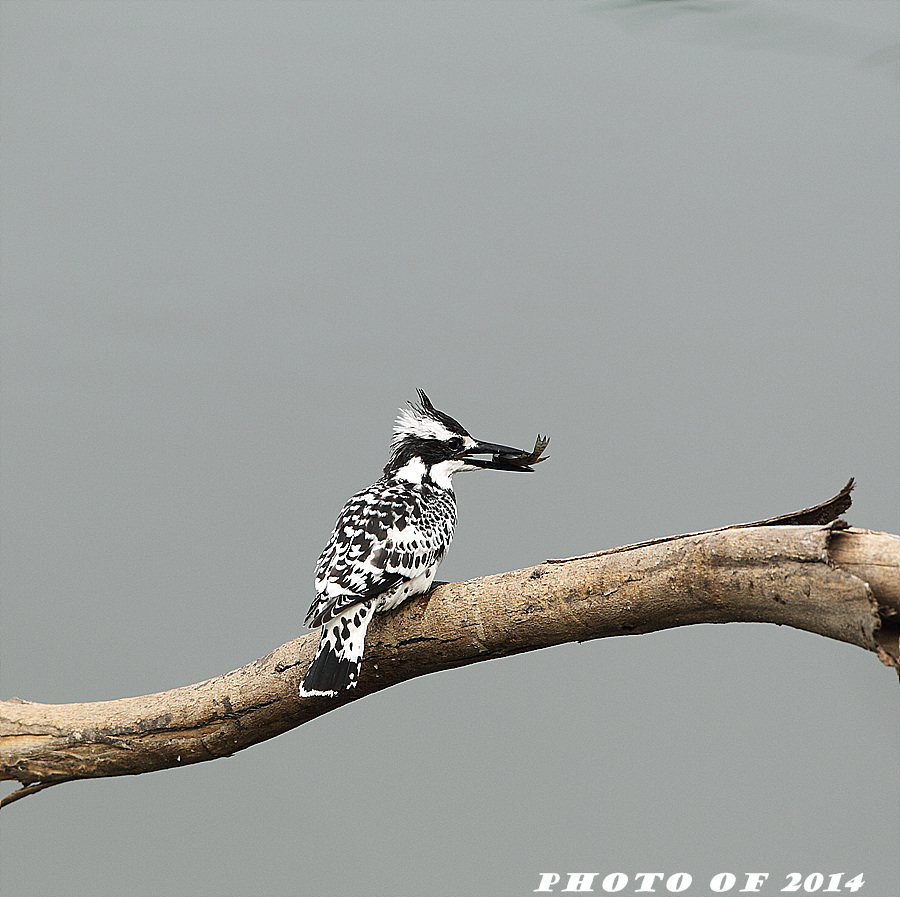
[(390, 538)]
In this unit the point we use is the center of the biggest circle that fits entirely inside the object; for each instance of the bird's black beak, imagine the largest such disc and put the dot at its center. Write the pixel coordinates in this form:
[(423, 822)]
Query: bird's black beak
[(503, 457)]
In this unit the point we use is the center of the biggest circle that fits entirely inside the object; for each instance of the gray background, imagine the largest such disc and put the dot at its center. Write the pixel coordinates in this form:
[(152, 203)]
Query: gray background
[(236, 237)]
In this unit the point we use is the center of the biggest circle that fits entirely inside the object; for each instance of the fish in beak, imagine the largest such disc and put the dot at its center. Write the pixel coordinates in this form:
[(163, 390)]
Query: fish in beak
[(505, 457)]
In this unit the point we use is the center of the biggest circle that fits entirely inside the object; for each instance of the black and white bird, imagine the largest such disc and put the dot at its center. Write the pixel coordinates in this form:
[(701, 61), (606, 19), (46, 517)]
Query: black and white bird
[(390, 538)]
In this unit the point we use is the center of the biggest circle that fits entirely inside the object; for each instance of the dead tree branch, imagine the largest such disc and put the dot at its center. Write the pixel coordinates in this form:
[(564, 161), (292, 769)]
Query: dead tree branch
[(838, 582)]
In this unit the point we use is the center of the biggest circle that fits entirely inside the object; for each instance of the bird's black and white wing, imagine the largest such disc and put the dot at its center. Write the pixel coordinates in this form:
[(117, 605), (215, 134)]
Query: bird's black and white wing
[(385, 535), (386, 546)]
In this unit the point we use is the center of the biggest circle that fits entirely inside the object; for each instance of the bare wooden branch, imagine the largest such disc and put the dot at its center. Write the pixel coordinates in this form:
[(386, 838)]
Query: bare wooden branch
[(839, 583), (824, 512)]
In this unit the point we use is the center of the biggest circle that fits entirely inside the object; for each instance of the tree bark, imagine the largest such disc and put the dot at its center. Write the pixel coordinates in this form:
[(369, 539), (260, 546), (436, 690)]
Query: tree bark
[(841, 583)]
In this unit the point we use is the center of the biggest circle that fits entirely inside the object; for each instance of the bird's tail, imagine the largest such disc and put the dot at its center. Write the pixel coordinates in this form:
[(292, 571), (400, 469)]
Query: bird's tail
[(339, 656)]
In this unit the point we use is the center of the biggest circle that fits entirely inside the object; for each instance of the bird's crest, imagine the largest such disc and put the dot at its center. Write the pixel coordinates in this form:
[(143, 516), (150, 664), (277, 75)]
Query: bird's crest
[(424, 421)]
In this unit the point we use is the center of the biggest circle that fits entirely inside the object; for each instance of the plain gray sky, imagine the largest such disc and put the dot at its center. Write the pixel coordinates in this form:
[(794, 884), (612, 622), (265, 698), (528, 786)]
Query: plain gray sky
[(236, 237)]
